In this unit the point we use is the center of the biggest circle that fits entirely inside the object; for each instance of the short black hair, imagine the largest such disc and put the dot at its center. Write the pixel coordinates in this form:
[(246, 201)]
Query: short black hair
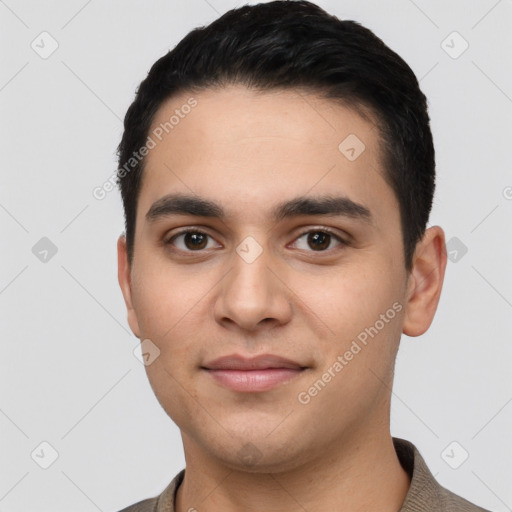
[(295, 44)]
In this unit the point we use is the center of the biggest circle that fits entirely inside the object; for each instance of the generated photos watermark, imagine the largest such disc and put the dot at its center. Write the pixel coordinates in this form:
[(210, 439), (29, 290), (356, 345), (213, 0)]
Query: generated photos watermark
[(157, 134), (304, 397)]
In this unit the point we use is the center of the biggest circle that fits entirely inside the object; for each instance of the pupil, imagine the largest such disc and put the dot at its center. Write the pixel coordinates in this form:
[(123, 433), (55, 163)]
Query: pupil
[(319, 240), (195, 240)]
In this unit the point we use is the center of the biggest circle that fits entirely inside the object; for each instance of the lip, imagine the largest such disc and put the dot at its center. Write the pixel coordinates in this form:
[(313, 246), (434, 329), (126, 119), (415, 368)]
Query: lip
[(256, 374), (261, 362)]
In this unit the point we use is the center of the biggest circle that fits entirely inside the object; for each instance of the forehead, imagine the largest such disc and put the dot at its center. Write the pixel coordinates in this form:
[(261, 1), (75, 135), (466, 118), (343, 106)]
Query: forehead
[(236, 113), (253, 148)]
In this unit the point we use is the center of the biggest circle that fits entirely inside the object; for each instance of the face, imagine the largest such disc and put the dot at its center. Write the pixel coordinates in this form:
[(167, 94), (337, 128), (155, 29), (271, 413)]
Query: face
[(297, 253)]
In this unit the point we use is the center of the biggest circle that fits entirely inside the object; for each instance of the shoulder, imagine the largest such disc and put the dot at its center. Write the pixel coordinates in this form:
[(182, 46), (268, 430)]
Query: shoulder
[(425, 493), (164, 502), (451, 502), (148, 505)]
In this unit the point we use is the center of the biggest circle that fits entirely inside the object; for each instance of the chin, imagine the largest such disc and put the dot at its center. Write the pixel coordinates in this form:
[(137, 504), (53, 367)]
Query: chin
[(258, 453)]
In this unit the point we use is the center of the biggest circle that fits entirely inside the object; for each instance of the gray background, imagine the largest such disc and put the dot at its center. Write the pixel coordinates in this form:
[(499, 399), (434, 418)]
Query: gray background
[(68, 375)]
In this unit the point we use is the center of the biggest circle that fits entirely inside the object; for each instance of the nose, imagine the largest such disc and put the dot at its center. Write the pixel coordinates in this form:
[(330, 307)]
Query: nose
[(254, 295)]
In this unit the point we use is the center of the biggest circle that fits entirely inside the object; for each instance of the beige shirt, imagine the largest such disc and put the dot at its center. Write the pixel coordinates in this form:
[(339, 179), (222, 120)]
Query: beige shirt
[(424, 495)]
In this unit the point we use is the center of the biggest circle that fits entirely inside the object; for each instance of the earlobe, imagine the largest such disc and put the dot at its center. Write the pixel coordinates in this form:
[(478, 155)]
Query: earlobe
[(425, 282), (124, 278)]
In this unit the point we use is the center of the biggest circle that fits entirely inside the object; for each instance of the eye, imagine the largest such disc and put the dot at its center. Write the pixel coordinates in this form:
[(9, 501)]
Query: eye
[(319, 240), (190, 241)]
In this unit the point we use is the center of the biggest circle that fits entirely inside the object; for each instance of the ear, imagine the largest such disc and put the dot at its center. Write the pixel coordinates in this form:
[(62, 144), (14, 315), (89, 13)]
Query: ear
[(425, 282), (124, 278)]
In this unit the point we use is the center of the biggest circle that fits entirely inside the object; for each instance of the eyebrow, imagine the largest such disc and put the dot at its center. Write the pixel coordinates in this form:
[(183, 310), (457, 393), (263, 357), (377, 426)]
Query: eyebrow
[(180, 204)]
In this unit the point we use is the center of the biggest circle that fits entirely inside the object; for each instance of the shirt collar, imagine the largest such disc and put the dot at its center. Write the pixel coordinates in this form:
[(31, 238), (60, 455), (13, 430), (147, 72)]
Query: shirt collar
[(424, 489)]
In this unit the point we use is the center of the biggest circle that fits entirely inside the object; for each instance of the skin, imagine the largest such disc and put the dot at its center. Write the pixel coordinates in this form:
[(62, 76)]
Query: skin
[(248, 152)]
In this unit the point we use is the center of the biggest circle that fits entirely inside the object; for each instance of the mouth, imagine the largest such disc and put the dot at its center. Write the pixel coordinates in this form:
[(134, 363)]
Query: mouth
[(256, 374), (254, 380)]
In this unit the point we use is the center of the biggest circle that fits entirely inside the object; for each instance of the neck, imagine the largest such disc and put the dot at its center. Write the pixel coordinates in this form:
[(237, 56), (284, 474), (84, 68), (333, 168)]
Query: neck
[(364, 474)]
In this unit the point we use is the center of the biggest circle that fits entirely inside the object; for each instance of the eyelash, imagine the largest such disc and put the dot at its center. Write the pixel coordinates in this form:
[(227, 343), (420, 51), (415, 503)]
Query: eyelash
[(341, 241)]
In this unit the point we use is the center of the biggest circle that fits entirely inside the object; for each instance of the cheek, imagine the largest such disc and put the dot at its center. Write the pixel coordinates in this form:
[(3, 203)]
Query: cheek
[(169, 309), (166, 297), (349, 298), (364, 311)]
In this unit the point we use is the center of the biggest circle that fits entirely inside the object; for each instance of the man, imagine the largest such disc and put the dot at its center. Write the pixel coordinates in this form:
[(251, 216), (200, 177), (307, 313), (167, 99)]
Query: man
[(277, 173)]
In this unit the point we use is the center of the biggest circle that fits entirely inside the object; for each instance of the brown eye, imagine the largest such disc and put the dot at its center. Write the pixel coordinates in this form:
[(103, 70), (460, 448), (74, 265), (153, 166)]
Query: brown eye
[(189, 241), (195, 241), (318, 241)]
